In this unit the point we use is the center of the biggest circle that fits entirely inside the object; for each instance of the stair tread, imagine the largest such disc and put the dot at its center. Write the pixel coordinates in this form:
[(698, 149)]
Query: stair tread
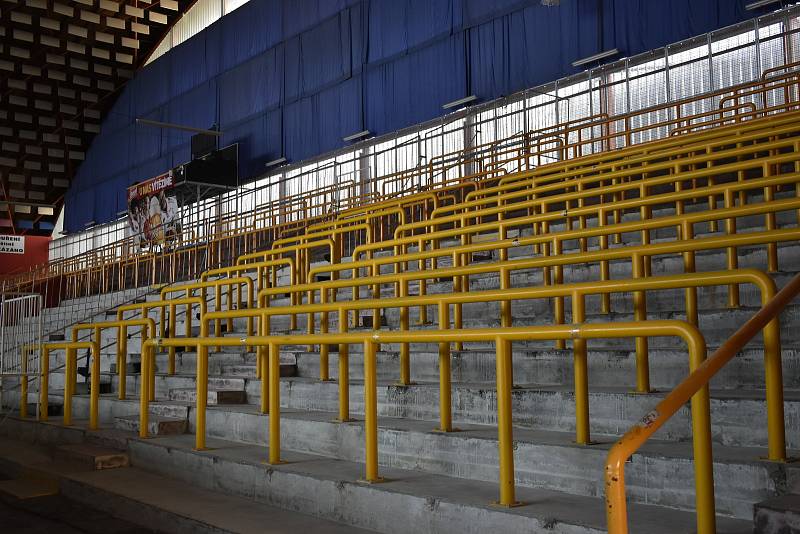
[(152, 418), (543, 506), (792, 395), (220, 511), (549, 438), (90, 449)]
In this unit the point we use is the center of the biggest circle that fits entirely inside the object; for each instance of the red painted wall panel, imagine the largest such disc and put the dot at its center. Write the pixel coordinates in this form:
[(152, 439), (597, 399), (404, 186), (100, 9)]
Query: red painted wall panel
[(35, 253)]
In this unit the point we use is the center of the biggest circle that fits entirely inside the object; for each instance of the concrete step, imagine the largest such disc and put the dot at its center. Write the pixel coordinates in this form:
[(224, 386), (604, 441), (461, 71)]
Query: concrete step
[(660, 473), (249, 371), (607, 367), (27, 488), (155, 503), (779, 515), (409, 501), (736, 416), (156, 425), (613, 410), (92, 456), (215, 396)]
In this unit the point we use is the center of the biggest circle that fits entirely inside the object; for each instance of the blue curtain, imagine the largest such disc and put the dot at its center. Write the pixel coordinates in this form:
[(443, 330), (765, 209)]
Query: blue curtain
[(293, 77)]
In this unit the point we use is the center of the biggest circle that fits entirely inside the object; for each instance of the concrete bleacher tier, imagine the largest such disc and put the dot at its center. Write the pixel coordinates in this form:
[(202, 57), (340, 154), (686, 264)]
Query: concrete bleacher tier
[(721, 200)]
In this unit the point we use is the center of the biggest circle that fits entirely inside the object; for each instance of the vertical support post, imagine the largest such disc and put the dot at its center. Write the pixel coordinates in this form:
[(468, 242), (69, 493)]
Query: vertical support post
[(405, 355), (558, 302), (445, 389), (274, 404), (23, 391), (122, 359), (605, 298), (505, 437), (147, 354), (640, 314), (263, 366), (371, 412), (323, 328), (344, 371), (423, 286), (69, 386), (581, 373), (73, 378), (773, 375), (689, 267), (217, 306), (94, 384), (732, 257), (701, 442), (44, 382), (172, 333), (772, 248), (202, 395)]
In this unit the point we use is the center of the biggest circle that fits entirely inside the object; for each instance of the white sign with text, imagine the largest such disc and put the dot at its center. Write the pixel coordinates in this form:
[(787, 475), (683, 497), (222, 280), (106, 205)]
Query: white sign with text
[(12, 244)]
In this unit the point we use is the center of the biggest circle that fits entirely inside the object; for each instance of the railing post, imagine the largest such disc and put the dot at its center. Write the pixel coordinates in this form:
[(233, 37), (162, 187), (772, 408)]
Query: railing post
[(405, 356), (773, 375), (505, 437), (689, 267), (44, 382), (344, 370), (558, 302), (172, 333), (69, 385), (701, 443), (94, 394), (202, 388), (324, 349), (371, 412), (23, 392), (445, 388), (640, 314), (148, 351), (122, 359), (731, 256), (581, 373), (274, 403)]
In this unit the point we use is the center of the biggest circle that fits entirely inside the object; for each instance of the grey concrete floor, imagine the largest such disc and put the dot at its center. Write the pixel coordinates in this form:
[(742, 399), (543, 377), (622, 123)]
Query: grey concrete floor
[(57, 514)]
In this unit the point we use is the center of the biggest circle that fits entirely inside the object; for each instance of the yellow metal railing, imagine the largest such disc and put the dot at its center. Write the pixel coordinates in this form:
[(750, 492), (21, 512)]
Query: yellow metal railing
[(685, 247), (698, 379), (577, 292), (148, 327), (71, 370), (161, 305), (217, 286), (615, 130), (502, 338)]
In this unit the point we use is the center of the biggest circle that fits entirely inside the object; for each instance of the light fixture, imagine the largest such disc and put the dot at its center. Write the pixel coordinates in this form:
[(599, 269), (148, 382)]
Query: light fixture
[(460, 102), (359, 135), (551, 3), (90, 223), (760, 3), (276, 162), (159, 124), (596, 57)]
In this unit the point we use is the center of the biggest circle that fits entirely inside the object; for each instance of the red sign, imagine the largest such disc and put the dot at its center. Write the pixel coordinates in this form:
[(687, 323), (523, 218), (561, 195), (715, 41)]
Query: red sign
[(151, 186)]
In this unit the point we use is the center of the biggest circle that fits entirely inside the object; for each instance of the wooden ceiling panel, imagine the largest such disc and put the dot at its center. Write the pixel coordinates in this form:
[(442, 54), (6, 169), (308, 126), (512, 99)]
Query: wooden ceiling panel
[(62, 64)]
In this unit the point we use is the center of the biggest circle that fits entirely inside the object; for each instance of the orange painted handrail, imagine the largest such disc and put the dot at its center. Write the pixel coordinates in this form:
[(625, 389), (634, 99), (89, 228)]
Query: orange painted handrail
[(616, 507)]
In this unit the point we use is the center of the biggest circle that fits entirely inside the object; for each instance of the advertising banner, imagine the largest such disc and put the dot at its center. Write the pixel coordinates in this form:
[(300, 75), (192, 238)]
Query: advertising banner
[(12, 244), (153, 212)]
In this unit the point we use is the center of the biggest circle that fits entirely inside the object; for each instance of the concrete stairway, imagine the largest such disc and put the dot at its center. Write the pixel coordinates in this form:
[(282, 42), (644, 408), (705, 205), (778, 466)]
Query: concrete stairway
[(447, 481)]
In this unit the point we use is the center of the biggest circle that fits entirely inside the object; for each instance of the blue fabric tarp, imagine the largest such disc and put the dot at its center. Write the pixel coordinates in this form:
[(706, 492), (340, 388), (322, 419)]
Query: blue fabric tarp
[(293, 77)]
